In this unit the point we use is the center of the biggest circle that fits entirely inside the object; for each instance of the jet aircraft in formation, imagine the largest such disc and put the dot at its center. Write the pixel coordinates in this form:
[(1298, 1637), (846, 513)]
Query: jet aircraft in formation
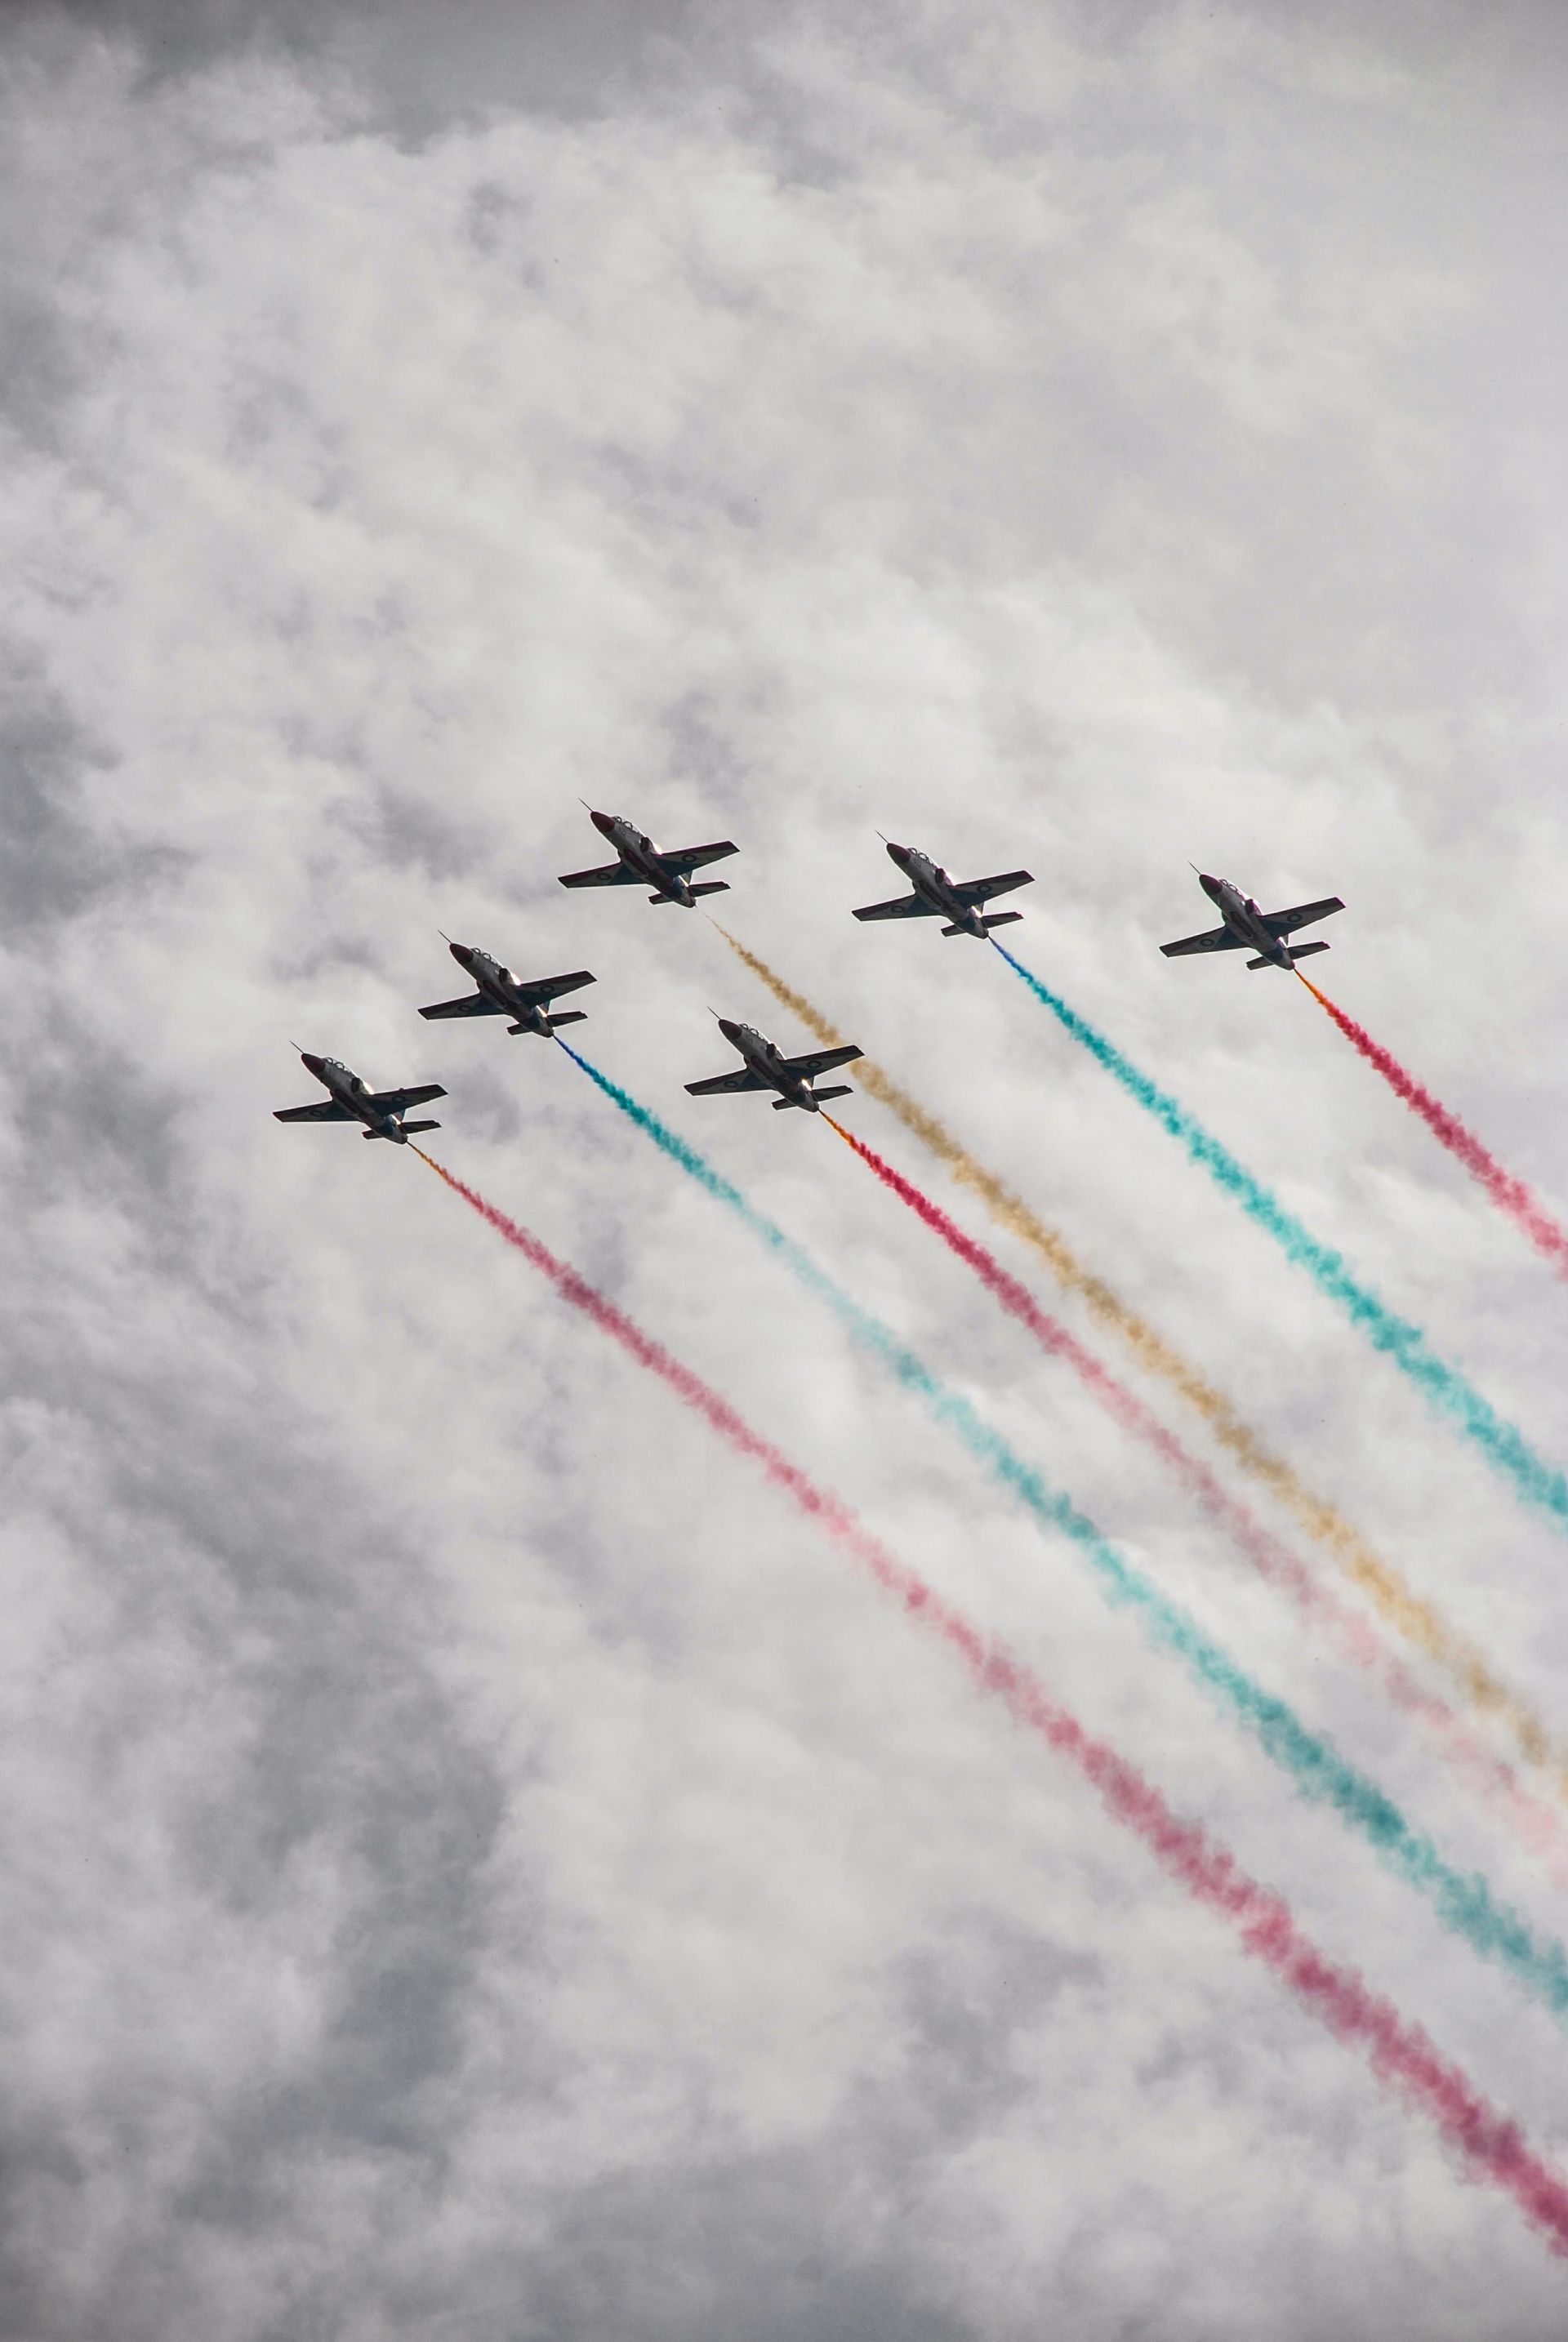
[(960, 901), (765, 1067), (643, 864), (347, 1100), (502, 994), (1246, 928)]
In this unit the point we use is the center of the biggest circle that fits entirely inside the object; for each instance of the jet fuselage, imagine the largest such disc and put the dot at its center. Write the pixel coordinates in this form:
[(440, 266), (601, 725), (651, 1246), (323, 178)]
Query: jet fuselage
[(349, 1091), (639, 852), (1244, 918), (933, 885), (767, 1061)]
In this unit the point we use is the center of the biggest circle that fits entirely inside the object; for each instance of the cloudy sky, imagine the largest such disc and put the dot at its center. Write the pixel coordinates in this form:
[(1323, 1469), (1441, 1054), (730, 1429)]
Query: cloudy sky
[(475, 1862)]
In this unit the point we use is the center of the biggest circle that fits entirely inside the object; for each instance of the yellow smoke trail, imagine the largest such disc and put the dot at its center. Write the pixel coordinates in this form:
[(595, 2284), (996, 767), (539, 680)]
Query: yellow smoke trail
[(1399, 1604)]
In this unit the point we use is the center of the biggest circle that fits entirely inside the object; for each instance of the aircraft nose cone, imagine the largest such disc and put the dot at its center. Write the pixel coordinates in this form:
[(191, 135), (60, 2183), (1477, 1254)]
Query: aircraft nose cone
[(312, 1064), (600, 821), (1210, 885), (731, 1031), (462, 953), (900, 854)]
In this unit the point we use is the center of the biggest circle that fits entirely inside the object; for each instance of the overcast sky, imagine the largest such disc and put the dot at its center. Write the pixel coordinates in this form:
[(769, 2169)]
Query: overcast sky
[(476, 1862)]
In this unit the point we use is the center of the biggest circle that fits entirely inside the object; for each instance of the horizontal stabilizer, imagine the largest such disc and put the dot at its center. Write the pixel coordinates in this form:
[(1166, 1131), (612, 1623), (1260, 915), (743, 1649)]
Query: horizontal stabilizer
[(420, 1125), (839, 1089), (960, 931), (785, 1105), (709, 887), (1296, 951), (569, 1016), (1001, 918)]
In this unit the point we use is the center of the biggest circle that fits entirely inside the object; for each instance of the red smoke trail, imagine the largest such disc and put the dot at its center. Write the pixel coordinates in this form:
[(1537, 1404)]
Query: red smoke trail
[(1523, 1209), (1537, 1823), (1493, 2148)]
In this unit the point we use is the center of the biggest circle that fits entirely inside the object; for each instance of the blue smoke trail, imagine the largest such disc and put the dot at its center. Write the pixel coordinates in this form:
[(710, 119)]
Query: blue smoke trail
[(1465, 1904), (1537, 1481)]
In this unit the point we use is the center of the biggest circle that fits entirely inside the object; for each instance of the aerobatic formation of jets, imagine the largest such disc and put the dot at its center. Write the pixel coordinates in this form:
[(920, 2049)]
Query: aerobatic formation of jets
[(529, 1002)]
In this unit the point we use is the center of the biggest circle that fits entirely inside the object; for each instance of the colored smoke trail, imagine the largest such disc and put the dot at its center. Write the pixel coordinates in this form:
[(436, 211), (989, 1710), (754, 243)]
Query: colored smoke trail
[(1411, 1615), (1500, 1442), (1465, 1904), (1272, 1560), (1511, 1194), (1491, 2147)]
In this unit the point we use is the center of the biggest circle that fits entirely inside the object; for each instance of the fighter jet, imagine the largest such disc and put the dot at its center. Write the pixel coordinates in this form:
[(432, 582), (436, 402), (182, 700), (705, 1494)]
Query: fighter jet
[(643, 864), (348, 1100), (960, 901), (765, 1067), (1247, 928), (502, 994)]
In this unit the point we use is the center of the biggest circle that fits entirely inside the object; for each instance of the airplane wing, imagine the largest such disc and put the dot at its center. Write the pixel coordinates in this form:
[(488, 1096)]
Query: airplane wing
[(822, 1061), (725, 1084), (908, 907), (694, 857), (551, 987), (975, 891), (1216, 939), (399, 1101), (473, 1003), (611, 874), (1285, 923), (324, 1110)]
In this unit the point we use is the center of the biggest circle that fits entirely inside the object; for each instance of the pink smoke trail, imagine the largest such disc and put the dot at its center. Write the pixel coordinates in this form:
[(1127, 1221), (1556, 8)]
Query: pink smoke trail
[(1524, 1208), (1493, 2148), (1536, 1822)]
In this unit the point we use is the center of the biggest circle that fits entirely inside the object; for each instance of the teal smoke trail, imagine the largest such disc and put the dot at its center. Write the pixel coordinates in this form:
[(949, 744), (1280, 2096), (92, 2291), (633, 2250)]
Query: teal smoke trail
[(1465, 1904), (1537, 1481)]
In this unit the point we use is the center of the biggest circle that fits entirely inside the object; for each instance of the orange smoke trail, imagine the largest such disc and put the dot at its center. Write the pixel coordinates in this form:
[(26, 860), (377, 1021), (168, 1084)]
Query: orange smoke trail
[(1512, 1195), (1489, 2146), (1408, 1613), (1538, 1825)]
